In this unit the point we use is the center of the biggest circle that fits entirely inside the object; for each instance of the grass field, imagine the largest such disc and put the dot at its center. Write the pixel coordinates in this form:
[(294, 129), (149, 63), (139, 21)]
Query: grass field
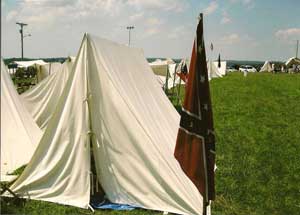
[(257, 121)]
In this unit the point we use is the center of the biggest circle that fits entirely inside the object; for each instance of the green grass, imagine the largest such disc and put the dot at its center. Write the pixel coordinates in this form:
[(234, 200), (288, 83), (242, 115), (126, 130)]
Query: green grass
[(257, 122), (32, 207)]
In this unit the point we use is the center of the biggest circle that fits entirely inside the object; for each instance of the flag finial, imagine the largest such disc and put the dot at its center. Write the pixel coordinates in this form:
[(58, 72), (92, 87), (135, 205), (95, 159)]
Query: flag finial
[(200, 16)]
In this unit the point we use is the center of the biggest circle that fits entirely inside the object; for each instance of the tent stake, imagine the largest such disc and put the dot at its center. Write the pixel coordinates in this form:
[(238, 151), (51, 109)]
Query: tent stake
[(90, 207)]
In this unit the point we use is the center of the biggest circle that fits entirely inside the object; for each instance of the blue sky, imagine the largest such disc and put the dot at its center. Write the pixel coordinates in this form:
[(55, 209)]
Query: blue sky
[(239, 29)]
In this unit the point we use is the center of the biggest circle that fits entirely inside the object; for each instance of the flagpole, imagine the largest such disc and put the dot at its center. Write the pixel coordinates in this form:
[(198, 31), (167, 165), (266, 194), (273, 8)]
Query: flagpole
[(195, 144)]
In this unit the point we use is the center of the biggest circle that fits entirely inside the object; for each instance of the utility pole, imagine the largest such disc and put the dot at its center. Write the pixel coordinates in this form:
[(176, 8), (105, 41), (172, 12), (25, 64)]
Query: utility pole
[(22, 36), (297, 48), (129, 28)]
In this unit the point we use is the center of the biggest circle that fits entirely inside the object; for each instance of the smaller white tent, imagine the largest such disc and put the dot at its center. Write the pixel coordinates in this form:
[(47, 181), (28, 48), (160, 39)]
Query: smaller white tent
[(293, 64), (292, 61), (41, 100), (164, 69), (19, 133), (267, 67), (25, 64), (222, 69), (213, 71), (42, 71)]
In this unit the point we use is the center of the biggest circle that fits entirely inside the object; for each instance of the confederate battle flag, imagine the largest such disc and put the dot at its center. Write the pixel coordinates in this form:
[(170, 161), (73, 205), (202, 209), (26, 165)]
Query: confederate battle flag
[(195, 146)]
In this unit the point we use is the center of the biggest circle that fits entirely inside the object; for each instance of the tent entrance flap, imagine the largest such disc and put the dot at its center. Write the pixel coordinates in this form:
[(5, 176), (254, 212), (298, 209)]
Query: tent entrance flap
[(97, 193)]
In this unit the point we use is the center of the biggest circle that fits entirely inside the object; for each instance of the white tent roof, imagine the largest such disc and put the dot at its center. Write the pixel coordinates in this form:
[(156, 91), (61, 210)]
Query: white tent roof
[(119, 106), (267, 67), (30, 63), (41, 100), (19, 133), (292, 61), (213, 71)]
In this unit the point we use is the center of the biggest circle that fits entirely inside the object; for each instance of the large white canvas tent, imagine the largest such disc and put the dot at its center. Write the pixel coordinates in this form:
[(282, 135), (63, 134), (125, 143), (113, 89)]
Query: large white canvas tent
[(19, 133), (267, 67), (212, 70), (113, 101), (42, 99)]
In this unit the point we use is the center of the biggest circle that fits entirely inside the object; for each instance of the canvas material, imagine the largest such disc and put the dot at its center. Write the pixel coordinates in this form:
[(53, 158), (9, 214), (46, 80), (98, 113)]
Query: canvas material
[(133, 129), (213, 71), (60, 167), (19, 133), (42, 99), (222, 69), (136, 136), (267, 67)]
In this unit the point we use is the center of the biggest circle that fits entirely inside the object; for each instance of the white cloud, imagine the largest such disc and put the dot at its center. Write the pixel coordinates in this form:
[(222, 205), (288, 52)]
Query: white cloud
[(136, 17), (151, 31), (48, 12), (225, 18), (152, 26), (288, 34), (45, 13), (249, 4), (230, 39), (162, 5), (247, 1), (154, 21), (239, 40), (241, 1), (212, 7), (177, 32), (11, 15)]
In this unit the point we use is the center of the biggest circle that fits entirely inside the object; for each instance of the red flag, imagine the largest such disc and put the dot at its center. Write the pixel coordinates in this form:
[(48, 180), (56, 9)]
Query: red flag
[(182, 76), (182, 71), (195, 146)]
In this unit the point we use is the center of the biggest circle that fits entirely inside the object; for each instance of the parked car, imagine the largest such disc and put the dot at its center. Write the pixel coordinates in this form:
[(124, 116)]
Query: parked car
[(248, 68), (231, 69)]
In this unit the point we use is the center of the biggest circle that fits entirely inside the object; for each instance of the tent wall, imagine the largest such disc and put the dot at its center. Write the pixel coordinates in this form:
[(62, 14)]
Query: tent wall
[(222, 69), (134, 158), (60, 168), (19, 133), (41, 100), (213, 71)]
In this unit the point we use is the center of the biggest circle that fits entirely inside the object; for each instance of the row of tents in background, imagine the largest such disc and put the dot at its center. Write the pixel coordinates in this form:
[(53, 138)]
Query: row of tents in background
[(168, 69), (170, 74)]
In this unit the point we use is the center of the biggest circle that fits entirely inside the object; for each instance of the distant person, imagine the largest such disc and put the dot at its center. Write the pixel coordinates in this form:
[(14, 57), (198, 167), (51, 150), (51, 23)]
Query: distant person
[(245, 72), (273, 67)]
